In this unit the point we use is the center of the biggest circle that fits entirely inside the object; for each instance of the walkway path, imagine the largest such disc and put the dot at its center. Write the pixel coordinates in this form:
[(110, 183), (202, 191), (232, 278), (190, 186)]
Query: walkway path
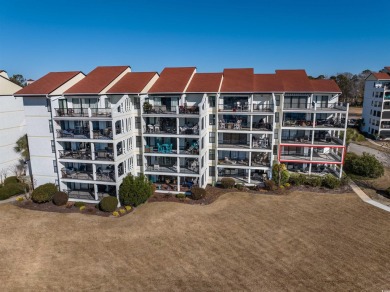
[(9, 200), (380, 145), (366, 198)]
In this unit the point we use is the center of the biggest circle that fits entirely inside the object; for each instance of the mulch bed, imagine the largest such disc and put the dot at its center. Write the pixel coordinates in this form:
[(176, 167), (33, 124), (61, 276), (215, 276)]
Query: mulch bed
[(50, 207), (213, 193)]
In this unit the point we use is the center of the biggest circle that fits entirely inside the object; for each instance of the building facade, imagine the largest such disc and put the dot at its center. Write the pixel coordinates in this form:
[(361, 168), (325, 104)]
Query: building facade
[(182, 128), (12, 124), (376, 105)]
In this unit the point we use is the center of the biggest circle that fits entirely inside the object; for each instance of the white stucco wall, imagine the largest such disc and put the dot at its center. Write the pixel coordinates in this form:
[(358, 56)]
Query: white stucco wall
[(12, 127), (39, 136)]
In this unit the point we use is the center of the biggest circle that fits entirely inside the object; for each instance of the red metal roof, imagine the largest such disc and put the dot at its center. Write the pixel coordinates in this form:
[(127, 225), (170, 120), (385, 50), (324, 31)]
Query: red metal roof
[(381, 76), (267, 83), (132, 82), (48, 83), (205, 82), (173, 80), (237, 80), (97, 80), (325, 85), (294, 80)]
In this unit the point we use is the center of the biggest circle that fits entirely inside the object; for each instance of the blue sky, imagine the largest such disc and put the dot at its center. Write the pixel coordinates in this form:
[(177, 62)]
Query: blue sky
[(323, 37)]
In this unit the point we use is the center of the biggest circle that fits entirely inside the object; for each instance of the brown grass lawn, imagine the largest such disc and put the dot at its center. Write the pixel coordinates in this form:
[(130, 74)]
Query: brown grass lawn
[(355, 112), (298, 242)]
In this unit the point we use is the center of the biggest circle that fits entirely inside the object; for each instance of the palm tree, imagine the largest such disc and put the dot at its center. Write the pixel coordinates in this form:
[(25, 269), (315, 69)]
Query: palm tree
[(22, 147)]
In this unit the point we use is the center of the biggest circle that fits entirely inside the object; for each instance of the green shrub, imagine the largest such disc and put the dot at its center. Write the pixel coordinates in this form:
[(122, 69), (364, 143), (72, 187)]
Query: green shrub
[(297, 179), (12, 189), (313, 181), (108, 204), (240, 186), (60, 198), (330, 181), (181, 196), (44, 193), (280, 174), (11, 180), (78, 204), (270, 185), (135, 190), (344, 179), (197, 193), (228, 182), (287, 185), (366, 165)]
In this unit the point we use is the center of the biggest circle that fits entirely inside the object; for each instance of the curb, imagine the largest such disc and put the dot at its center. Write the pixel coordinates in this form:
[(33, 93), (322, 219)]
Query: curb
[(366, 198)]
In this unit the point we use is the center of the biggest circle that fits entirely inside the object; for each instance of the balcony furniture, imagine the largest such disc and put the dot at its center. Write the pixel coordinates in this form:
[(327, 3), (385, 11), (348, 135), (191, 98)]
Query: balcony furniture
[(256, 176), (246, 106), (221, 125), (228, 161), (157, 128), (150, 129), (156, 167), (66, 133), (160, 148)]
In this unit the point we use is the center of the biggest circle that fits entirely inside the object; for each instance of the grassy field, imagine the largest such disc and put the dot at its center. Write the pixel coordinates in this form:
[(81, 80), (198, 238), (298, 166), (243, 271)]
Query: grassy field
[(298, 242), (355, 112)]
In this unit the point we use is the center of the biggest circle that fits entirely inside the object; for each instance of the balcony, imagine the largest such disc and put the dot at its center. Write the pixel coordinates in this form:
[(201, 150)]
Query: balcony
[(103, 134), (189, 110), (315, 106), (73, 134), (83, 112), (245, 107), (80, 173), (305, 157), (329, 140), (83, 154), (171, 169), (330, 123), (104, 155)]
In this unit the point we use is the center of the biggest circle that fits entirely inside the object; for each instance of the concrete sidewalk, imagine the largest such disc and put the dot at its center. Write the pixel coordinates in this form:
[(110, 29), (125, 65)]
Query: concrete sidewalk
[(366, 198)]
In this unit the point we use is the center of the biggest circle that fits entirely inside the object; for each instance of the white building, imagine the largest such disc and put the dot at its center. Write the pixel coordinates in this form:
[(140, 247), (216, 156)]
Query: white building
[(376, 105), (12, 124), (183, 128)]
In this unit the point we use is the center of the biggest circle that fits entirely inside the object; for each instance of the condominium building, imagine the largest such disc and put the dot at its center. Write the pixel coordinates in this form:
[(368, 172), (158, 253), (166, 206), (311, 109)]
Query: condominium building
[(12, 124), (376, 104), (182, 128)]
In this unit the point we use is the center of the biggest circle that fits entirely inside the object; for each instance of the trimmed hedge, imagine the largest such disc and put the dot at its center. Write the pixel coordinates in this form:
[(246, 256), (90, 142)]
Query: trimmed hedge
[(197, 193), (313, 181), (12, 189), (60, 198), (297, 179), (11, 180), (44, 193), (330, 181), (228, 182), (108, 204)]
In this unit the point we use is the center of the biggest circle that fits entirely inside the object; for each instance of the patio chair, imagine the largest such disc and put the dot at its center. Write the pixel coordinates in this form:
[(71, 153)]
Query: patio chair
[(156, 167), (157, 128), (150, 128), (160, 149), (228, 161)]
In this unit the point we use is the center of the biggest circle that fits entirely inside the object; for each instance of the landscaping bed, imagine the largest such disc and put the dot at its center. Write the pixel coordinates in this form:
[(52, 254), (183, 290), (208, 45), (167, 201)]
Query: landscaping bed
[(90, 209), (212, 194)]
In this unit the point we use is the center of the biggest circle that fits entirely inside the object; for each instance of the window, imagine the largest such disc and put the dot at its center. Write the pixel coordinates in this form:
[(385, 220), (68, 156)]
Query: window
[(275, 150), (55, 166), (137, 122), (277, 100), (212, 154), (212, 171), (212, 120), (211, 101), (211, 137), (138, 141), (48, 105), (51, 126), (137, 103), (139, 160), (53, 146), (276, 117), (378, 113)]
